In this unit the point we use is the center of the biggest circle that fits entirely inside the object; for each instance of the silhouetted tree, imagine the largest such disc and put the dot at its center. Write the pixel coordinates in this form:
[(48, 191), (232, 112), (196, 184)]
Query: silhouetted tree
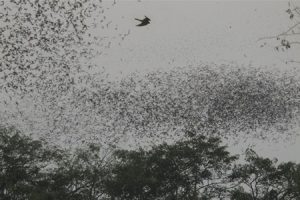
[(79, 175), (261, 179), (191, 169), (23, 162), (197, 168), (31, 171)]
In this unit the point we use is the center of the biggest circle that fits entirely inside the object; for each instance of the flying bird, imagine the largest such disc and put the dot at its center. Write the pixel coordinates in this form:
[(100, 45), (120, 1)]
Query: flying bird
[(144, 21)]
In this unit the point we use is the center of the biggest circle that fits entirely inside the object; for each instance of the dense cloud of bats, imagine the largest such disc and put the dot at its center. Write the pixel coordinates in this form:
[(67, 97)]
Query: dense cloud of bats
[(47, 89), (49, 42), (224, 100), (45, 51)]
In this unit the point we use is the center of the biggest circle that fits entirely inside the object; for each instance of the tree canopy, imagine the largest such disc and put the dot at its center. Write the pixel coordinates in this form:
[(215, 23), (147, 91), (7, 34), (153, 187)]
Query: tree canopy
[(197, 167), (183, 170)]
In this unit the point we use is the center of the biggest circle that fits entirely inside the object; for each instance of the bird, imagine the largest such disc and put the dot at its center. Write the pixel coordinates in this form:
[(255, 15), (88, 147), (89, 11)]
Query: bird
[(144, 21)]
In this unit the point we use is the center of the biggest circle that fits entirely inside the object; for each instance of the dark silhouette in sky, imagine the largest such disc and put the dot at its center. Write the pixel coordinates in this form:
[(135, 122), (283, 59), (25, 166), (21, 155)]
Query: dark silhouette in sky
[(144, 21)]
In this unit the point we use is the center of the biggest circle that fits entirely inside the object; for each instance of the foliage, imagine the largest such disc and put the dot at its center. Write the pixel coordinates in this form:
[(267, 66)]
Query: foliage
[(79, 176), (185, 170), (196, 168), (22, 161), (30, 171), (264, 180)]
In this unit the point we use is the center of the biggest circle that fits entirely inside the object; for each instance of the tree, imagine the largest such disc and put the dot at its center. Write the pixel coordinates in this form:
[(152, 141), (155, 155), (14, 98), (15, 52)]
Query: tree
[(31, 171), (288, 181), (22, 161), (255, 175), (80, 175), (130, 178), (261, 179), (191, 169), (200, 164), (197, 168)]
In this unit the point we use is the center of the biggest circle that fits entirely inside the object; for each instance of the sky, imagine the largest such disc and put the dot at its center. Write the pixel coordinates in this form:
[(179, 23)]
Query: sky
[(185, 33), (190, 33), (181, 34)]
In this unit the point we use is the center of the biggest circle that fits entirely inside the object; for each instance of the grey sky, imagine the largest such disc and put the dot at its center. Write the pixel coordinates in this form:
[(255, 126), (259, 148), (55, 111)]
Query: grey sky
[(181, 33), (185, 33), (190, 32)]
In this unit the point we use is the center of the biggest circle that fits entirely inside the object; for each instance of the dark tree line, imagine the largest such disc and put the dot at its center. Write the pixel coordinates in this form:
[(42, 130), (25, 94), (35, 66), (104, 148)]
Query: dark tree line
[(198, 167)]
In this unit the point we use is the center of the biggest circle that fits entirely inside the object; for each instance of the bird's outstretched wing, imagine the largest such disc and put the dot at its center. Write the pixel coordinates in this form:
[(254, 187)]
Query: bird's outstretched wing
[(144, 21), (143, 24)]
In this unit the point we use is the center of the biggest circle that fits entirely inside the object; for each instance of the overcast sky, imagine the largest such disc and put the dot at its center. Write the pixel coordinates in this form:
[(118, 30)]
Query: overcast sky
[(191, 32), (185, 33)]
